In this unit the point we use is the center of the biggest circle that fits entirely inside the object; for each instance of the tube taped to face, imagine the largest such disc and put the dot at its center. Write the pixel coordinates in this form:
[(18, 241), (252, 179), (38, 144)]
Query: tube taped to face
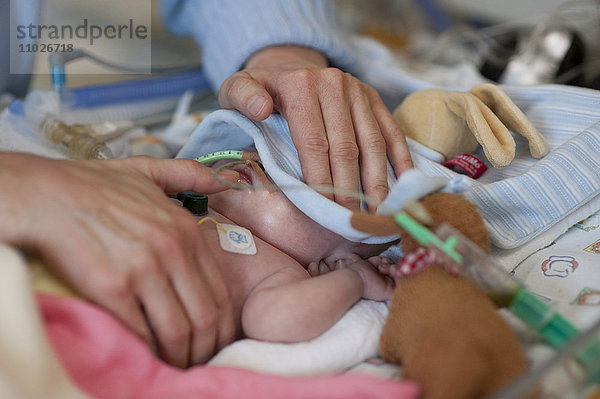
[(236, 239)]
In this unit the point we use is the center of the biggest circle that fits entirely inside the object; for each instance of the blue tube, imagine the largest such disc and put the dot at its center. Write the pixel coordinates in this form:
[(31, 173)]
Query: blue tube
[(436, 14), (163, 86), (58, 79), (16, 107)]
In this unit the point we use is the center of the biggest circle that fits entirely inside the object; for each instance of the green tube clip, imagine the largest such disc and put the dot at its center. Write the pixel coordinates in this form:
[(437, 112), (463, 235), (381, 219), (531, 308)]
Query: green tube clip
[(424, 236)]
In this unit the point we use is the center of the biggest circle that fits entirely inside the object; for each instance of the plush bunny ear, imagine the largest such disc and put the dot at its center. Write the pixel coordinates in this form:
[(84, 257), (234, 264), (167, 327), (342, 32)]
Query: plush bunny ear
[(497, 142), (512, 117)]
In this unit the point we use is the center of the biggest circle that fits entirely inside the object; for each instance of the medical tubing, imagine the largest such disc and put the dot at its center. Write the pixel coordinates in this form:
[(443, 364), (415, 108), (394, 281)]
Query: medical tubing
[(542, 318), (137, 90), (482, 271), (557, 331), (218, 156)]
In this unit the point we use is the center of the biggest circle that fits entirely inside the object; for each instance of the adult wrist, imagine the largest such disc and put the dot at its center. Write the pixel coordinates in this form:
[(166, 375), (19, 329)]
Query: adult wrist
[(287, 55)]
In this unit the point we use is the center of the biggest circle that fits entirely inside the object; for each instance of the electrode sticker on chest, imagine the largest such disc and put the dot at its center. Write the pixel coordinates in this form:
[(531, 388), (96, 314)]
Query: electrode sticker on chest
[(236, 239)]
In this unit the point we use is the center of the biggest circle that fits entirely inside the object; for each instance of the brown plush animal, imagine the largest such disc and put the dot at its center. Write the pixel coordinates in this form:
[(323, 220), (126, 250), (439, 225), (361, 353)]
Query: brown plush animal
[(448, 335)]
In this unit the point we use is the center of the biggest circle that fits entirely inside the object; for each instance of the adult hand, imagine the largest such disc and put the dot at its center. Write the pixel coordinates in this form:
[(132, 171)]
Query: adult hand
[(108, 229), (336, 121)]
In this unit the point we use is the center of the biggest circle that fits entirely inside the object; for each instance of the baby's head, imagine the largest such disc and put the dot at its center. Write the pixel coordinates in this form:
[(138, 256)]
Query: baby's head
[(273, 218)]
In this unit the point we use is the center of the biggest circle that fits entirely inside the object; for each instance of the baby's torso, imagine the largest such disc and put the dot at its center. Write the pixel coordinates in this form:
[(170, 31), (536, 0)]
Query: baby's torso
[(242, 269)]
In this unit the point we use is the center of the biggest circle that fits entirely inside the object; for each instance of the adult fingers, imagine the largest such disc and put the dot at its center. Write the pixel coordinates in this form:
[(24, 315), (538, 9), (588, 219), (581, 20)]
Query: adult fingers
[(341, 136), (151, 249), (242, 92), (165, 313), (397, 149), (371, 144), (300, 105), (154, 256), (223, 317), (198, 317), (207, 303)]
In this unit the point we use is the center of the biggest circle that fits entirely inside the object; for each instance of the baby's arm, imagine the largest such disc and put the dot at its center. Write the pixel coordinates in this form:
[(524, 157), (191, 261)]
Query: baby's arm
[(291, 306)]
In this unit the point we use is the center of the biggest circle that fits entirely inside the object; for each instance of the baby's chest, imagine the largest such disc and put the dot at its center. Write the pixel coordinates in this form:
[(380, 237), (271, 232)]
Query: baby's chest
[(243, 259)]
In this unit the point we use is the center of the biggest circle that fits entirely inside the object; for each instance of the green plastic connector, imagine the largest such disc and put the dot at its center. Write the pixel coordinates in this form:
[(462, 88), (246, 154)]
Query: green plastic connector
[(219, 155), (589, 357), (424, 236), (557, 331), (538, 315)]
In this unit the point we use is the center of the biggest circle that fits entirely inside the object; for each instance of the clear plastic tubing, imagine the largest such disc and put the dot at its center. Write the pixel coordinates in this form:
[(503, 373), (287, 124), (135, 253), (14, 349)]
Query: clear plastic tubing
[(136, 90)]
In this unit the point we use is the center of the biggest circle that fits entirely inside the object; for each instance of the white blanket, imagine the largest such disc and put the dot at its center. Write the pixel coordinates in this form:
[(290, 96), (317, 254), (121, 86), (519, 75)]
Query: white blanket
[(354, 338)]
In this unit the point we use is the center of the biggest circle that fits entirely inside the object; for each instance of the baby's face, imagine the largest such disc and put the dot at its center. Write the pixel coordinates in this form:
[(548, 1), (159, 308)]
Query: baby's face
[(273, 218)]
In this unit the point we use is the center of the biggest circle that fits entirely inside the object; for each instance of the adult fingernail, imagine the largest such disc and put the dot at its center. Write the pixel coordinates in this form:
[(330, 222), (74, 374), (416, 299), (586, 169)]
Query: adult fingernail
[(229, 175), (256, 105)]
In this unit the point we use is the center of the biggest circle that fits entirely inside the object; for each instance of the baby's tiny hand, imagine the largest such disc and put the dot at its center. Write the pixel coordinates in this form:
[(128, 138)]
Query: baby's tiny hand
[(384, 265), (378, 285)]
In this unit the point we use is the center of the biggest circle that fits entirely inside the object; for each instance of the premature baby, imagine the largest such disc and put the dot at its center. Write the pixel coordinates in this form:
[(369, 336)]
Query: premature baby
[(443, 330), (302, 278)]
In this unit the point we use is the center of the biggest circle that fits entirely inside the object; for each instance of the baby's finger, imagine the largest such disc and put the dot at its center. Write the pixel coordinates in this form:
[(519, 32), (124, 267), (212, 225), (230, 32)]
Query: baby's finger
[(313, 269)]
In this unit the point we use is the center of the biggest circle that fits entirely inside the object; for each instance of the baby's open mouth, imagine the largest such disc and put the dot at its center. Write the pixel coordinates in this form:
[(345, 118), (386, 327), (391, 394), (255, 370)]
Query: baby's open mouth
[(252, 174), (246, 173)]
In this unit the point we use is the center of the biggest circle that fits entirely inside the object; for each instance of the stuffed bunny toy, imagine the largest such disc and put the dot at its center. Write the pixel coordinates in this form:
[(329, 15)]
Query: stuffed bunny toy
[(445, 332), (452, 123)]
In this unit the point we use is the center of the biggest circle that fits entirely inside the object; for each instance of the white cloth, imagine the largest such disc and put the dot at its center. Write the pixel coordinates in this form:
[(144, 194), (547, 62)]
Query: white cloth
[(354, 338), (29, 367)]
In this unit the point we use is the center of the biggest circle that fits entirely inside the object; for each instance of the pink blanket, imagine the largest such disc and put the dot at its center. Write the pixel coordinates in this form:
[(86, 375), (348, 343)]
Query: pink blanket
[(107, 361)]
